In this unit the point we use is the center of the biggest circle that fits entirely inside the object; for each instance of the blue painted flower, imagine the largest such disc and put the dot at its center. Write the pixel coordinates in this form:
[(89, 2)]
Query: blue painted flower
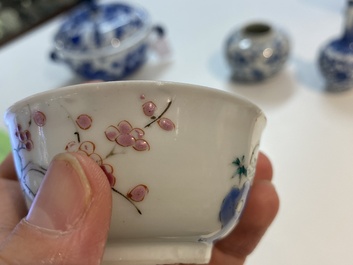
[(230, 203)]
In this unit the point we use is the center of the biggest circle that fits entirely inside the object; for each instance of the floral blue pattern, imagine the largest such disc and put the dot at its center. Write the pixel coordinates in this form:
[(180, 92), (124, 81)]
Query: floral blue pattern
[(335, 65), (233, 203), (229, 208), (106, 42), (117, 69), (256, 52), (336, 57), (87, 28)]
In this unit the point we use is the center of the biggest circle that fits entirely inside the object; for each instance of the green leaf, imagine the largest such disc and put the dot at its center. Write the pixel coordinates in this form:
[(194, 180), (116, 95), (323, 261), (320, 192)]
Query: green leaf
[(241, 169), (236, 162)]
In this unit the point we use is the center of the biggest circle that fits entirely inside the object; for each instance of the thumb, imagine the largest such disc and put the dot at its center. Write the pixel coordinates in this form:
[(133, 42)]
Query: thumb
[(69, 218)]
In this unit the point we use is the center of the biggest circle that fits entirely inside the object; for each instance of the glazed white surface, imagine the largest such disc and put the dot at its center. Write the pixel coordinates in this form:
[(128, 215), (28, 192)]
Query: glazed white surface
[(190, 193), (309, 132)]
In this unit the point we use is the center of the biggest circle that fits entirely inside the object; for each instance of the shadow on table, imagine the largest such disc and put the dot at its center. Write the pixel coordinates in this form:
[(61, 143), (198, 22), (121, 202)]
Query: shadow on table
[(272, 92), (308, 74)]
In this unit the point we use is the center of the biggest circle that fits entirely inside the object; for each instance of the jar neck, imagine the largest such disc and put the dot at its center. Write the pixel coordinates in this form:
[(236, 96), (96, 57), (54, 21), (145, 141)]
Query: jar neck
[(257, 31), (348, 27)]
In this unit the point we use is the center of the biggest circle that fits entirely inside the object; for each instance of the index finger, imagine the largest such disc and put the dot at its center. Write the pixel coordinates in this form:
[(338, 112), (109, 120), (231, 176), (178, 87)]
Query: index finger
[(264, 170), (7, 168)]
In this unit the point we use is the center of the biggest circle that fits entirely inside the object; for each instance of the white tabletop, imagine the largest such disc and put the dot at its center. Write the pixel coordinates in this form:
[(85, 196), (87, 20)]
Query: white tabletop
[(309, 135)]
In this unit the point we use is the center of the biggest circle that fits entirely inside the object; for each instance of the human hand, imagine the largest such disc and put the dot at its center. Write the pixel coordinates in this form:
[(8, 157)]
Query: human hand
[(261, 208), (72, 229), (68, 221)]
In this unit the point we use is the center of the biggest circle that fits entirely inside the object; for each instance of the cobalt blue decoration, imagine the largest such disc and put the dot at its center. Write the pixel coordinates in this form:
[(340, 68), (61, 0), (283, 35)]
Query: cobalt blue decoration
[(233, 204), (336, 57), (256, 52), (107, 42)]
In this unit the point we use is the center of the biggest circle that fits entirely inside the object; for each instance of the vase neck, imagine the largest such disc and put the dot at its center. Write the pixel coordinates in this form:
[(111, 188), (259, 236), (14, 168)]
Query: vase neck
[(348, 27)]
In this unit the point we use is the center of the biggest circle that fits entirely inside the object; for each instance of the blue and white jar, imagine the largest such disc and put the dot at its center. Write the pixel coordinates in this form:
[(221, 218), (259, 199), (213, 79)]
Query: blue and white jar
[(256, 52), (104, 41), (336, 57)]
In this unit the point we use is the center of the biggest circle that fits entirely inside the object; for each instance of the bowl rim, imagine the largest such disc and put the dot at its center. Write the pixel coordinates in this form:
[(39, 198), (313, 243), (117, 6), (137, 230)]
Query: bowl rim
[(48, 95)]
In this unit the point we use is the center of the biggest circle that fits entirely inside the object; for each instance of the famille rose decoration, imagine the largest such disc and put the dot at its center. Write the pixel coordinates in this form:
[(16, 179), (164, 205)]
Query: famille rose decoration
[(180, 160), (121, 135)]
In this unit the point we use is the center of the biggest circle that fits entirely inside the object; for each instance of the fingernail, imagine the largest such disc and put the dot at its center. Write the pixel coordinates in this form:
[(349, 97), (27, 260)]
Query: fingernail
[(64, 195)]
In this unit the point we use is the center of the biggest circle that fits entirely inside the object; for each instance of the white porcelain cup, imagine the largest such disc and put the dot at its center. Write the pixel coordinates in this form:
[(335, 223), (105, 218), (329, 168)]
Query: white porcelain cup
[(180, 160)]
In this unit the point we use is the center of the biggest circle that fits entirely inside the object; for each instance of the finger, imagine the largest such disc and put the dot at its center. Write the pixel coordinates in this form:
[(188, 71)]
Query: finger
[(264, 169), (69, 219), (12, 206), (7, 168), (261, 209)]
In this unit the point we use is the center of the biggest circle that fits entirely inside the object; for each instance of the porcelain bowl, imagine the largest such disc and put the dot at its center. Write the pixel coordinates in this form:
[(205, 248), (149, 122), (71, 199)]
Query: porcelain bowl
[(106, 41), (180, 159)]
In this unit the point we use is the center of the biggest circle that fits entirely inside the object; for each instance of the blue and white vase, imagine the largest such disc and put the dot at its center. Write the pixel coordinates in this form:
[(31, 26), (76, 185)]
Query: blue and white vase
[(336, 57), (256, 52)]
